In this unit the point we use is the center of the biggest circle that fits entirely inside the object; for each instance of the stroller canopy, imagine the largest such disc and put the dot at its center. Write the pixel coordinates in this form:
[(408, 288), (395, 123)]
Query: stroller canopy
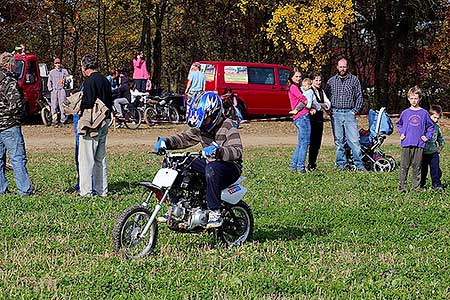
[(380, 123)]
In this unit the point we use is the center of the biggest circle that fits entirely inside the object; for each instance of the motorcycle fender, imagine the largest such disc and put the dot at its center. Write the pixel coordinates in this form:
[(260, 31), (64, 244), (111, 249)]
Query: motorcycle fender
[(154, 188), (233, 194), (165, 178)]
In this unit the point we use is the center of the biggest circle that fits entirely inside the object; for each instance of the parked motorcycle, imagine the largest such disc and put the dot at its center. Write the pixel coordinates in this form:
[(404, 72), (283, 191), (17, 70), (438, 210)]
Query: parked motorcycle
[(184, 192), (160, 109), (230, 106)]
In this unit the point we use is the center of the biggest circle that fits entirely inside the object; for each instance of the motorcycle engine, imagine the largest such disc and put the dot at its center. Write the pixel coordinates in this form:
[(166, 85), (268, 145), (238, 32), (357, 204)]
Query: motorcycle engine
[(188, 209), (199, 217)]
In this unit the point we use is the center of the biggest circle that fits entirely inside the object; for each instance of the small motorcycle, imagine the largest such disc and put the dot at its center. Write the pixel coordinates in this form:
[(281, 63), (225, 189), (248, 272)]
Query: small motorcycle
[(183, 191)]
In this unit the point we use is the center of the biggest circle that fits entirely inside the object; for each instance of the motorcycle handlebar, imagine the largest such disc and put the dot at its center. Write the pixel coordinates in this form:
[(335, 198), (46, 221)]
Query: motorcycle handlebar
[(167, 153)]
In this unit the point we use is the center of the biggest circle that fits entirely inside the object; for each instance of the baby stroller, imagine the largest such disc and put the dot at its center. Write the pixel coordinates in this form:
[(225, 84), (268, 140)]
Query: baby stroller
[(373, 157)]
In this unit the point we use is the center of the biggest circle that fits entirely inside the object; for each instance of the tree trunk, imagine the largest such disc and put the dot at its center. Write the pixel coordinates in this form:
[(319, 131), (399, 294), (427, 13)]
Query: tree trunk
[(105, 43), (62, 35), (50, 37), (97, 40), (157, 43)]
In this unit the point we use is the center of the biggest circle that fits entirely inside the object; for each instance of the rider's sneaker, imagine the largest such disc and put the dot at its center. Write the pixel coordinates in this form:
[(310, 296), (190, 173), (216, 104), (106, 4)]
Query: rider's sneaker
[(214, 219), (163, 219)]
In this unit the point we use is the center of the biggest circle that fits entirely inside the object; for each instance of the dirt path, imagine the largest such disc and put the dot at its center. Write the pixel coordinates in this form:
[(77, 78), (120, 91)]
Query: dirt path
[(39, 138)]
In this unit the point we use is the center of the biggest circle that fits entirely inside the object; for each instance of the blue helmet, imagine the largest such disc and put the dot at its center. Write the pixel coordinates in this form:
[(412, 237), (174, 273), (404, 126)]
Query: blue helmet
[(207, 105)]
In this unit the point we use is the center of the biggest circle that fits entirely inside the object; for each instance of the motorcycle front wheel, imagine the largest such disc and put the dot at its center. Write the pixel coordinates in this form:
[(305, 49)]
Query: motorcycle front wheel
[(150, 116), (126, 233), (132, 118), (237, 225), (174, 116)]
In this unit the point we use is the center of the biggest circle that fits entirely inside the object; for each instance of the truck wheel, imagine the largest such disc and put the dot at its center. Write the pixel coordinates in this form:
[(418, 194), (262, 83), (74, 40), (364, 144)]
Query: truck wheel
[(46, 116)]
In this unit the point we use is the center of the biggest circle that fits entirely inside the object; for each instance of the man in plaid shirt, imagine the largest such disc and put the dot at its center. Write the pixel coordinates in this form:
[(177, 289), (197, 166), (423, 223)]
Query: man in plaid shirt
[(344, 91)]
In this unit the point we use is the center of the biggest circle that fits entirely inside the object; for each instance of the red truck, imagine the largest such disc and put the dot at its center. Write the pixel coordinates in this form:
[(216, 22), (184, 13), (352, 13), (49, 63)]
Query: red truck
[(32, 78)]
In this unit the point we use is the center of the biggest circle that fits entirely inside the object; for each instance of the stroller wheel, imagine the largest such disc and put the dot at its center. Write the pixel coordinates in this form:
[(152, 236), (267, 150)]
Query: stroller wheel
[(392, 161), (382, 165)]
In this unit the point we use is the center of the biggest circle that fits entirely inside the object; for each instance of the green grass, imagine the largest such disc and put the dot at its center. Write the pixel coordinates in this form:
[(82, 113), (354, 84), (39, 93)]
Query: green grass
[(323, 235)]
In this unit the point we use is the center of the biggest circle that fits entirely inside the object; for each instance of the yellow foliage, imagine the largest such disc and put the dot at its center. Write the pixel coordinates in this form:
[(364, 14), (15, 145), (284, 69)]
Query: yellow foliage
[(304, 28)]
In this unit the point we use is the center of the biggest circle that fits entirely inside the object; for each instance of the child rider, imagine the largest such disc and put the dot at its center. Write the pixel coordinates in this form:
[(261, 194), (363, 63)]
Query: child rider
[(222, 149)]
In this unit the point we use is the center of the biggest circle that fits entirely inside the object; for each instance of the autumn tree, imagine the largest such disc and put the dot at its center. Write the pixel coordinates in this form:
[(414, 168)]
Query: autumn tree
[(302, 31)]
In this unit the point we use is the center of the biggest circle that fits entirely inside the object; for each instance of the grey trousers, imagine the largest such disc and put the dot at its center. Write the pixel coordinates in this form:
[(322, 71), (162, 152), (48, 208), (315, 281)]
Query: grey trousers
[(118, 105), (411, 157), (92, 159), (57, 97)]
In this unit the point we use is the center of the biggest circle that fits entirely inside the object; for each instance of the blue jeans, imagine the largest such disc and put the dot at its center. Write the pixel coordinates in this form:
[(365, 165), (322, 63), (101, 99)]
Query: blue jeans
[(345, 128), (304, 132), (218, 175), (141, 84), (11, 140)]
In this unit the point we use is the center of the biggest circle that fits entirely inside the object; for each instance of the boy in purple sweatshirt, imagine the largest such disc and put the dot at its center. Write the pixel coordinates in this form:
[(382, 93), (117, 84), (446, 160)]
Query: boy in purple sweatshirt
[(415, 128)]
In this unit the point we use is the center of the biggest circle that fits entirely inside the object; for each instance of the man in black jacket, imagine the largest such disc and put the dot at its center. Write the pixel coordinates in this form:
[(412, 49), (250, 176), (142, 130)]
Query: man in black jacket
[(92, 151), (11, 138)]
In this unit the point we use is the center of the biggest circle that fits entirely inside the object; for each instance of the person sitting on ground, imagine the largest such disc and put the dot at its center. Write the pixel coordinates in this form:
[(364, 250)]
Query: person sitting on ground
[(222, 148)]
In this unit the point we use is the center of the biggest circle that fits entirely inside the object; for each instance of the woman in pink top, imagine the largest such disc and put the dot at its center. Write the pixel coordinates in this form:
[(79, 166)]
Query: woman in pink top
[(140, 73), (301, 121)]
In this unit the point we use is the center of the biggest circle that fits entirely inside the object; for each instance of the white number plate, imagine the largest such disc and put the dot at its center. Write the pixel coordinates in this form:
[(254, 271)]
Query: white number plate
[(165, 177)]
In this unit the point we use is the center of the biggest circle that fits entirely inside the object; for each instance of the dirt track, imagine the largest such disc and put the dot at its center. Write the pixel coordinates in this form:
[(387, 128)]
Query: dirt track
[(39, 138)]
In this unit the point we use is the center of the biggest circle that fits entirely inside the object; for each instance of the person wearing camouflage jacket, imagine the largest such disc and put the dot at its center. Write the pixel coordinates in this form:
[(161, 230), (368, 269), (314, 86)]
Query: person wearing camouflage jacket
[(11, 138)]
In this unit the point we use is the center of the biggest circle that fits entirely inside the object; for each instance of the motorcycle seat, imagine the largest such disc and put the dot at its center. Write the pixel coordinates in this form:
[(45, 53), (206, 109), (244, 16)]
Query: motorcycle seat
[(240, 179)]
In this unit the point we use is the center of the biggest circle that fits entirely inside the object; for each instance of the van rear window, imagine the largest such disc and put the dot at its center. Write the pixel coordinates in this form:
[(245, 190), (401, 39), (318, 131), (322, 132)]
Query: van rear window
[(261, 76), (284, 75), (209, 71), (235, 74)]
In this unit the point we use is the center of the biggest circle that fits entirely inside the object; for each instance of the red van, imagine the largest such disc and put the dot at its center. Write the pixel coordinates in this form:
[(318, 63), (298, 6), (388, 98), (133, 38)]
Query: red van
[(262, 88), (28, 77)]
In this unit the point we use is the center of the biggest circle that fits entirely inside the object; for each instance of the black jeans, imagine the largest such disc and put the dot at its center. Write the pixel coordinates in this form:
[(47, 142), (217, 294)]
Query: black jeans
[(316, 137), (431, 160), (219, 175)]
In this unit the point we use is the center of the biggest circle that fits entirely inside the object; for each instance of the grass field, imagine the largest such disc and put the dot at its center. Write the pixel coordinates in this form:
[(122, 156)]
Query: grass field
[(323, 235)]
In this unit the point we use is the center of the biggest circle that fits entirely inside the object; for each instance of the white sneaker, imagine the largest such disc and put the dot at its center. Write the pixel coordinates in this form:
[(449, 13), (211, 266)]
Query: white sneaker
[(163, 219), (214, 219)]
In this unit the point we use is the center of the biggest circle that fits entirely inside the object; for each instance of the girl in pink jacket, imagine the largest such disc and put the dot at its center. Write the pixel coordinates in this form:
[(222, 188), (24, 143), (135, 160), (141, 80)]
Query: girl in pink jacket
[(301, 122), (140, 73)]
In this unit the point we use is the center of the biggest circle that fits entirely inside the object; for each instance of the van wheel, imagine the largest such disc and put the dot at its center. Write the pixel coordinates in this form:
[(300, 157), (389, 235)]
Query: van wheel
[(242, 109)]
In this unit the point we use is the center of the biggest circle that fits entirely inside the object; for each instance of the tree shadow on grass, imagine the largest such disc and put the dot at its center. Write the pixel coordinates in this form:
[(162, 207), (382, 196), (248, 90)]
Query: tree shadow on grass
[(287, 233)]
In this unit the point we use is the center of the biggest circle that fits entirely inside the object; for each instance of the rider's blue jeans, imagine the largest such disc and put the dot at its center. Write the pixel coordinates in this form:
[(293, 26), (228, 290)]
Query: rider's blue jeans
[(345, 127), (219, 175), (11, 140)]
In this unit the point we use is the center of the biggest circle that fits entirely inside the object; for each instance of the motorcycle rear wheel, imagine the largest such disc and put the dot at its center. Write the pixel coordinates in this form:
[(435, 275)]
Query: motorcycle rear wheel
[(129, 225), (237, 225)]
